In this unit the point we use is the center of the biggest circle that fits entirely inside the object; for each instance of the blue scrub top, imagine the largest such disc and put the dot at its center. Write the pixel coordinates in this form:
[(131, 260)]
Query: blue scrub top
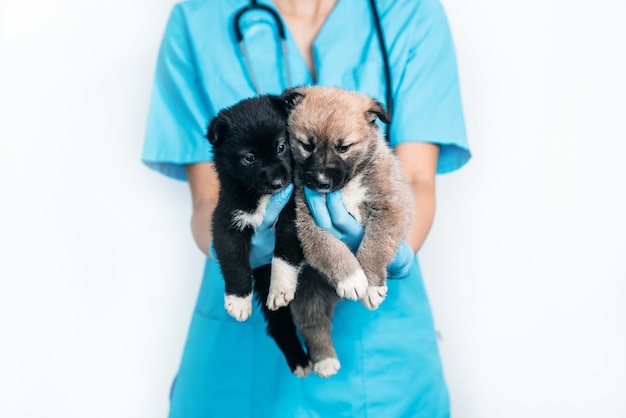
[(390, 362)]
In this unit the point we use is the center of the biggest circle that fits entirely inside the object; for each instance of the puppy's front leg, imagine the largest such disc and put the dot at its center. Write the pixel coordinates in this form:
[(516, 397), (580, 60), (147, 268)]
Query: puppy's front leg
[(330, 255), (287, 261), (233, 252), (376, 251)]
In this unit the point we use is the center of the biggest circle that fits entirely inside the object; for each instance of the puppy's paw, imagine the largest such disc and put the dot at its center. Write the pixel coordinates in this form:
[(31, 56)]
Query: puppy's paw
[(353, 287), (279, 298), (283, 284), (374, 296), (238, 307), (302, 371), (327, 367)]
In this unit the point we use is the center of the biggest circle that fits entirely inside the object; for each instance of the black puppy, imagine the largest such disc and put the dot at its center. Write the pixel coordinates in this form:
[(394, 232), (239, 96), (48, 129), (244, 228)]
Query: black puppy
[(253, 161)]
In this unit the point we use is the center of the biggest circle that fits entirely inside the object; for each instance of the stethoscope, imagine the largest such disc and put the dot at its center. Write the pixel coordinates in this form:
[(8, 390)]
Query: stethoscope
[(283, 43)]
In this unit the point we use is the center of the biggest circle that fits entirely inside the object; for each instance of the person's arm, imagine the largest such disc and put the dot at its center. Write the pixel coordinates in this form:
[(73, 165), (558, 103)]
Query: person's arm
[(419, 160), (204, 187)]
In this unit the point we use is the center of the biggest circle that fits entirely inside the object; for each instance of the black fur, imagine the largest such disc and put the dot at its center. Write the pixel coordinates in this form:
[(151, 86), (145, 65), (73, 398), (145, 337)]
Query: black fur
[(280, 324), (252, 159)]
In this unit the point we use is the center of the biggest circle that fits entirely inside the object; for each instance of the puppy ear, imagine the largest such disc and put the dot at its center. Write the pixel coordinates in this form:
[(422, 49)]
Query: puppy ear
[(291, 97), (279, 104), (377, 110), (217, 129)]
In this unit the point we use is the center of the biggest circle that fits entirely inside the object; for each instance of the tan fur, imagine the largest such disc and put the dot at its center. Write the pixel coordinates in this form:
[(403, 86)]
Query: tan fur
[(376, 187)]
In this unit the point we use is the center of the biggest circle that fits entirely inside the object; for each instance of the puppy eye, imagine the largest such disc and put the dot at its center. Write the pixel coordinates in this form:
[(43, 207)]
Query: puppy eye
[(307, 147), (280, 149), (249, 158), (343, 148)]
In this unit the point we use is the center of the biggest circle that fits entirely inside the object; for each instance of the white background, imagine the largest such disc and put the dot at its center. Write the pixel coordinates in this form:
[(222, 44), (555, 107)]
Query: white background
[(525, 265)]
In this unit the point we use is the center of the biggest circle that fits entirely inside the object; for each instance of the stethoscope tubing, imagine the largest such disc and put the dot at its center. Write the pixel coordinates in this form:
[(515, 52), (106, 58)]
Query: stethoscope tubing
[(386, 67), (280, 27)]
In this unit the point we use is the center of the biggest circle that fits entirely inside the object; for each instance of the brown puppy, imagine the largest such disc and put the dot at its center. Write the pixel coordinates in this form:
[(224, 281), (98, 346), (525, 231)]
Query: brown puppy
[(336, 144)]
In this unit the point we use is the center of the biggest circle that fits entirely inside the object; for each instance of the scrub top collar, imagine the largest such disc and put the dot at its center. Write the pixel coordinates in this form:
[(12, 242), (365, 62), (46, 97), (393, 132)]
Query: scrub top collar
[(326, 48)]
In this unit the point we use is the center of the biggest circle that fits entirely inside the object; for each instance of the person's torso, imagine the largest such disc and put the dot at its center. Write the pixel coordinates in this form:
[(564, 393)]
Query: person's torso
[(346, 51)]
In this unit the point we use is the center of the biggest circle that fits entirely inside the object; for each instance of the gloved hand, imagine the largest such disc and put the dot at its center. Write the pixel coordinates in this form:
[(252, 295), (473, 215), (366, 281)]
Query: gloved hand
[(263, 240), (400, 265), (331, 214)]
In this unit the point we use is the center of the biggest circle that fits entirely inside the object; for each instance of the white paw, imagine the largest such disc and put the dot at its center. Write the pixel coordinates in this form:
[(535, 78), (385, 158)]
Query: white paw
[(238, 307), (353, 287), (374, 296), (283, 284), (327, 367), (278, 298), (302, 371)]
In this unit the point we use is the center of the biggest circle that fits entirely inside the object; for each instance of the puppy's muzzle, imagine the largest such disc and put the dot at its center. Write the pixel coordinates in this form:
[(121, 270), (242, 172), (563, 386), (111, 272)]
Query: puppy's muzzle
[(276, 178), (325, 173), (320, 182), (277, 184)]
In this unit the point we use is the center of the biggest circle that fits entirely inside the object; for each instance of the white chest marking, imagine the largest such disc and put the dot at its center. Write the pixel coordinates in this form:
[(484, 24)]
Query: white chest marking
[(241, 219), (353, 194)]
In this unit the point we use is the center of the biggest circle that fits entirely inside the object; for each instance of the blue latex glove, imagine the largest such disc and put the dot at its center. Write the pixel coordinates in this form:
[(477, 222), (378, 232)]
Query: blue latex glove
[(263, 240), (400, 266), (331, 214)]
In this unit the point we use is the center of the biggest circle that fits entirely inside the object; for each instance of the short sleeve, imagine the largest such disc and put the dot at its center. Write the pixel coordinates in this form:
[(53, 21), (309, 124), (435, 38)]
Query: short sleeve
[(179, 112), (428, 103)]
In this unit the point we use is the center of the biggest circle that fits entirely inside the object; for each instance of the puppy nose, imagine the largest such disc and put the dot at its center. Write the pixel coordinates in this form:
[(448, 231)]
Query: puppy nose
[(277, 184), (322, 182), (323, 186)]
